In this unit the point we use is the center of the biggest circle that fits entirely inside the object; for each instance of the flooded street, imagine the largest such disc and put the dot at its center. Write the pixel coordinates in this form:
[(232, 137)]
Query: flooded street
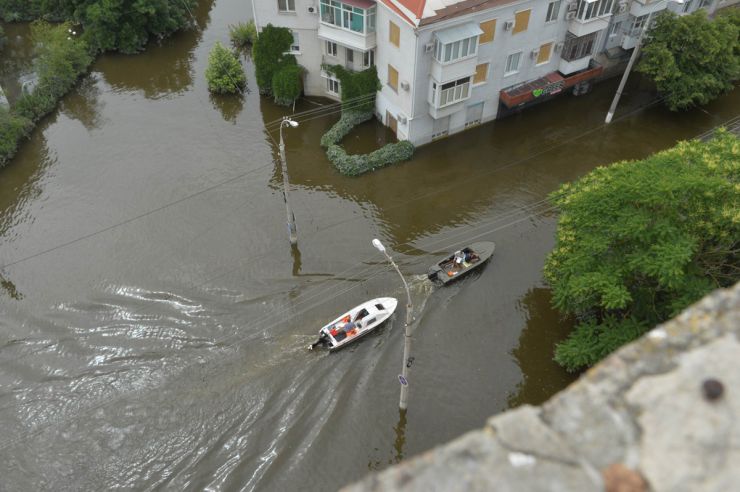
[(154, 319)]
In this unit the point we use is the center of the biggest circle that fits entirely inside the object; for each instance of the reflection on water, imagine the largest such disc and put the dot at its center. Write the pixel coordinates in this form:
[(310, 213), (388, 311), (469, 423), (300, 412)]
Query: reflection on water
[(166, 349), (84, 104), (541, 376), (173, 58), (230, 106), (16, 58)]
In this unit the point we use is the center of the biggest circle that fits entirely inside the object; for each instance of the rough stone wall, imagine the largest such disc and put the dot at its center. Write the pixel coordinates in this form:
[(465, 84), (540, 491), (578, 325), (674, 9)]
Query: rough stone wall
[(659, 414)]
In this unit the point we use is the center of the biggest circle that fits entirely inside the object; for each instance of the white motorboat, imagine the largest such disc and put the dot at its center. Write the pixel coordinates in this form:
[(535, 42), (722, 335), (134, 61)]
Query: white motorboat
[(355, 323)]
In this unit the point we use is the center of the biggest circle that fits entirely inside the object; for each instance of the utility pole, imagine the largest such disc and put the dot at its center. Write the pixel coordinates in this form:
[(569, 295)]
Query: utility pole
[(292, 233), (627, 70), (407, 360)]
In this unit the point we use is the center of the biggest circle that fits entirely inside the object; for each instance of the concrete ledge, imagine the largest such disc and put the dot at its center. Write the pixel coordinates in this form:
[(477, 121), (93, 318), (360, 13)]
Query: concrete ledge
[(659, 414)]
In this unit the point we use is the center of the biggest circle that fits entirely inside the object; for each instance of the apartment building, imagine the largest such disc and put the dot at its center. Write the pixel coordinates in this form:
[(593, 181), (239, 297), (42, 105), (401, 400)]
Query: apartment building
[(448, 65)]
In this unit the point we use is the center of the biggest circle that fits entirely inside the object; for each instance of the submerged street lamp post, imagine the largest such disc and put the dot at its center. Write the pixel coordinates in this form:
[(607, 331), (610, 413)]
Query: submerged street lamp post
[(292, 234), (403, 403)]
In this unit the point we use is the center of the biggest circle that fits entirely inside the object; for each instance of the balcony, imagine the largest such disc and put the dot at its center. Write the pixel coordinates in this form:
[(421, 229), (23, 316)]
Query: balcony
[(350, 23), (638, 8), (576, 52), (591, 16)]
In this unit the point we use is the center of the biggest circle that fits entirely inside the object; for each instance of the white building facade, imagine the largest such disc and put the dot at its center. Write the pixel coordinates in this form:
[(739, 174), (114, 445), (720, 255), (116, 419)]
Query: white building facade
[(448, 65)]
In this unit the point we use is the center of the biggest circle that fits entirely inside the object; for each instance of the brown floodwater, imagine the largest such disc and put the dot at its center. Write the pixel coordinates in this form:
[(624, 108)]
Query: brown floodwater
[(155, 319)]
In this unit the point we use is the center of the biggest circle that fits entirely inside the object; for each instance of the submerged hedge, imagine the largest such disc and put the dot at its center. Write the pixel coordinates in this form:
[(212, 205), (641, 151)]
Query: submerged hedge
[(356, 164)]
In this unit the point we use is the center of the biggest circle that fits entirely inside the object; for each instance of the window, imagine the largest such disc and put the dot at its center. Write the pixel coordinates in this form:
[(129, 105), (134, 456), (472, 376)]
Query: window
[(544, 55), (394, 34), (576, 48), (512, 63), (454, 91), (350, 55), (553, 9), (450, 52), (521, 21), (296, 45), (705, 3), (286, 5), (638, 24), (590, 9), (614, 29), (489, 31), (332, 86), (346, 16), (368, 59), (687, 6), (392, 78), (481, 73), (331, 48)]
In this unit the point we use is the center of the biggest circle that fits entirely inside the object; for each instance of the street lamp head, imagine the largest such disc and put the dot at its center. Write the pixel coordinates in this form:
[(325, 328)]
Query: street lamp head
[(378, 245), (290, 122)]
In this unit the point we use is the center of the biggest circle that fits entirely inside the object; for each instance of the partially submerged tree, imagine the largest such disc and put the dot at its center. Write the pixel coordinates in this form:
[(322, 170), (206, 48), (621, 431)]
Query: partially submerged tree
[(637, 242), (692, 59), (287, 84), (224, 74), (269, 55), (243, 34)]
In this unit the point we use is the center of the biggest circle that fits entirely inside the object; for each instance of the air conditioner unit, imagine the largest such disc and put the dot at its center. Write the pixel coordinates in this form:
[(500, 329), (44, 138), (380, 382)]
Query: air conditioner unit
[(428, 48), (312, 9), (402, 119), (572, 6), (405, 85), (508, 25), (559, 47), (534, 53), (570, 15)]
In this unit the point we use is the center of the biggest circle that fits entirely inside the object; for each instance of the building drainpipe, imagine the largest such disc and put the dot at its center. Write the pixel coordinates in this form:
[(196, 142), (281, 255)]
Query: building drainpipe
[(254, 16)]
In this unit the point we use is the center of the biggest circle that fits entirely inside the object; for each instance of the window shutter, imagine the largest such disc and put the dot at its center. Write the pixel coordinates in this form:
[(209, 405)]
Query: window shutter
[(489, 31), (481, 73), (394, 34), (544, 55), (521, 21), (393, 78)]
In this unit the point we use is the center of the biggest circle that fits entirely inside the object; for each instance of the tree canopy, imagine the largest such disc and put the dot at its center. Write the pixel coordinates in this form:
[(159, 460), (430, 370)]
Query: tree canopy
[(637, 242), (692, 59), (123, 25), (269, 55), (224, 74)]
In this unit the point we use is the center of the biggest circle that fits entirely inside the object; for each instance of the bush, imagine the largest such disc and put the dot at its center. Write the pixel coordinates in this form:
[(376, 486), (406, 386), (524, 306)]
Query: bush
[(287, 84), (354, 165), (12, 129), (243, 34), (341, 128), (355, 85), (269, 55), (224, 74), (59, 63)]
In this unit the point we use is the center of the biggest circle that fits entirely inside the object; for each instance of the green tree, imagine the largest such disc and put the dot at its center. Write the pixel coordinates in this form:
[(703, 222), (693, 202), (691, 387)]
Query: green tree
[(637, 242), (269, 55), (243, 34), (691, 59), (287, 84), (122, 25), (356, 85), (224, 74)]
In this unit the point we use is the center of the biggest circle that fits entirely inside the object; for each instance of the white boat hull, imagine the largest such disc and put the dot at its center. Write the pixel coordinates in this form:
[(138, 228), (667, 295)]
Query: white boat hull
[(366, 317)]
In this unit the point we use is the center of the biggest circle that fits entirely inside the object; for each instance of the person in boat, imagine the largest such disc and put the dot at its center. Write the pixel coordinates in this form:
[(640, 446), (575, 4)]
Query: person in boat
[(459, 258)]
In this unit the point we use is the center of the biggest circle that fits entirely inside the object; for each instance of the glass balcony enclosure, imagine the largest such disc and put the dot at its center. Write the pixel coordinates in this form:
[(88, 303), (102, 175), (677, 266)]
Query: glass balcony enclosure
[(590, 9), (357, 15)]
